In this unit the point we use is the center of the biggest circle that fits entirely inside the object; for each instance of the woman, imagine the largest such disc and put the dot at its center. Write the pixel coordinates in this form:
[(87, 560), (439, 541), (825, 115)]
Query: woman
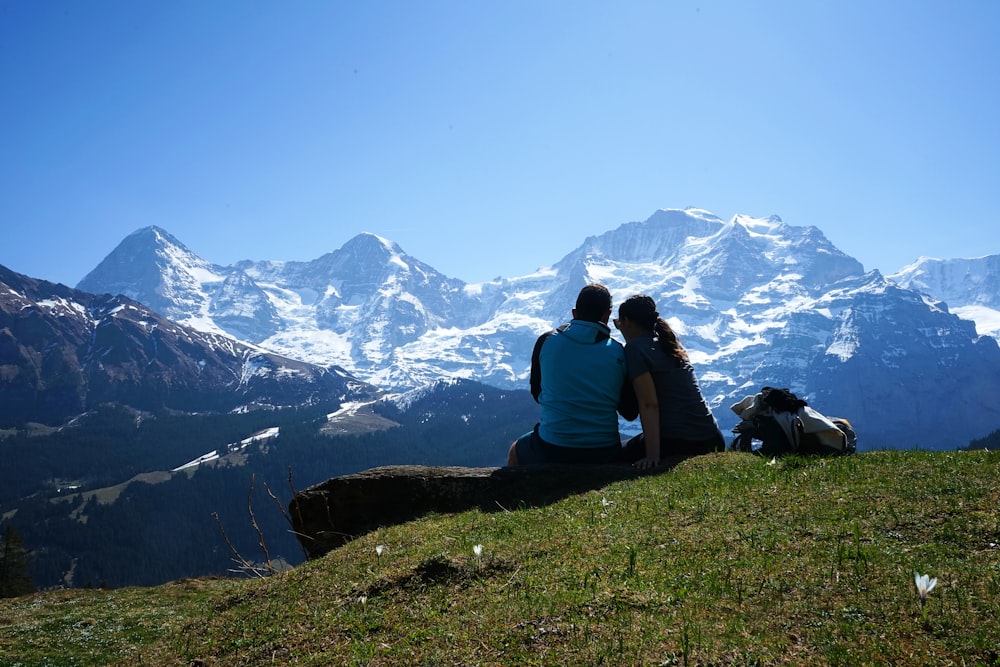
[(675, 418)]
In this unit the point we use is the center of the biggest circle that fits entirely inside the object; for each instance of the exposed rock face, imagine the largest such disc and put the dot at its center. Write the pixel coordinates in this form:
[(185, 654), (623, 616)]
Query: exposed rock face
[(64, 351), (341, 509), (152, 267)]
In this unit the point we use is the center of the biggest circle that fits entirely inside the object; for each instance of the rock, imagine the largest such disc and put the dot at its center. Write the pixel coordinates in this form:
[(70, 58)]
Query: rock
[(330, 514)]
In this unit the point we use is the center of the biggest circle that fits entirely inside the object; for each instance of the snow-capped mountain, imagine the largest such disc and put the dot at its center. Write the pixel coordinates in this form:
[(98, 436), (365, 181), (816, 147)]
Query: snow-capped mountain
[(970, 287), (155, 269), (756, 302), (353, 307), (65, 351)]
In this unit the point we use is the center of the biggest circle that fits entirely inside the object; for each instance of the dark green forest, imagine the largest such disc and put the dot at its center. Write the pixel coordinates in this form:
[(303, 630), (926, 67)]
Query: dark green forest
[(15, 579), (991, 442), (179, 527)]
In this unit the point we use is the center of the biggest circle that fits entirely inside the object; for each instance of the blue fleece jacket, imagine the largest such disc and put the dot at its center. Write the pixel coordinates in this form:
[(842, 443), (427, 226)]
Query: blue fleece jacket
[(577, 374)]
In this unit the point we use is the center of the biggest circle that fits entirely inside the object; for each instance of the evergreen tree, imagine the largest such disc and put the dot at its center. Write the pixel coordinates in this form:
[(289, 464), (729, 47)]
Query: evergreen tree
[(14, 577), (991, 442)]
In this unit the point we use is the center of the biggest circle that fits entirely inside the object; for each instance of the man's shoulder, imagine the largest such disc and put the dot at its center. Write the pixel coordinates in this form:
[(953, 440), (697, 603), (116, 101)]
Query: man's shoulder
[(551, 332)]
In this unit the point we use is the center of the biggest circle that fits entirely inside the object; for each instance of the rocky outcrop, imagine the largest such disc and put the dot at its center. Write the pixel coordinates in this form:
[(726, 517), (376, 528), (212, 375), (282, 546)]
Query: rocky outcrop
[(335, 512)]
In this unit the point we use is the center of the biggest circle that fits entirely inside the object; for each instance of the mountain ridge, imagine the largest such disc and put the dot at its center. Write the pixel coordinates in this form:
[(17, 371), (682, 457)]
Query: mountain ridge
[(756, 301), (65, 351)]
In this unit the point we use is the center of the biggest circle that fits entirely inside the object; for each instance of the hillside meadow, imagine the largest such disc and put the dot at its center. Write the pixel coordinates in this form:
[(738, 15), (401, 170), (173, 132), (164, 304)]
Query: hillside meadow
[(727, 559)]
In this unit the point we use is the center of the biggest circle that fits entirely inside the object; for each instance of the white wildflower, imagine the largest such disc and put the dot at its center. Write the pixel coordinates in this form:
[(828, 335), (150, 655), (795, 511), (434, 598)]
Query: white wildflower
[(924, 585)]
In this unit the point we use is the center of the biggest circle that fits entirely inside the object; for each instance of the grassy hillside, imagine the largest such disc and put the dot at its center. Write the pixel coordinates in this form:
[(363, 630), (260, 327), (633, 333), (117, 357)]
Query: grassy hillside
[(725, 560)]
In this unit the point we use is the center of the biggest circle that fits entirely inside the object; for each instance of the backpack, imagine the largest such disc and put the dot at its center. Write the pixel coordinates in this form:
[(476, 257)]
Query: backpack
[(776, 422)]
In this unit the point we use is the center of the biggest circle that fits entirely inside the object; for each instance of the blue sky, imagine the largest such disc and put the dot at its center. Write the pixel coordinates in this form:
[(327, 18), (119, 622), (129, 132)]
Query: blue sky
[(490, 138)]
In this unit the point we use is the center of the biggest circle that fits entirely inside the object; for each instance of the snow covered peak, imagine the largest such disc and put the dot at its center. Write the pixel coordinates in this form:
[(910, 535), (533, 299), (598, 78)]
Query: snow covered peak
[(968, 281), (155, 234), (158, 244), (701, 244), (769, 225), (665, 215), (659, 237), (156, 269), (366, 259), (149, 248), (971, 287), (367, 242)]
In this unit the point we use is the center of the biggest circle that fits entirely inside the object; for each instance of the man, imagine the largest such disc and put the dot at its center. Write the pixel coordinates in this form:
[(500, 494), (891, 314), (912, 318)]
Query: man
[(578, 377)]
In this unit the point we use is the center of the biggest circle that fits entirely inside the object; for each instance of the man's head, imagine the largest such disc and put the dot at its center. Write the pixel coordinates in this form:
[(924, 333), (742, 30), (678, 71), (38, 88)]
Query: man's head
[(593, 304)]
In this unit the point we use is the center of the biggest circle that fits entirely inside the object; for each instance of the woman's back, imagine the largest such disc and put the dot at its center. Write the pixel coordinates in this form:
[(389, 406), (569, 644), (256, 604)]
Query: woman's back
[(684, 414)]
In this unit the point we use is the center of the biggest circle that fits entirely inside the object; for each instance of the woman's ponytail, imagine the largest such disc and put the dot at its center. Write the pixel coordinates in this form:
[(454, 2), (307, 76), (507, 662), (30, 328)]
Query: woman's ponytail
[(669, 341)]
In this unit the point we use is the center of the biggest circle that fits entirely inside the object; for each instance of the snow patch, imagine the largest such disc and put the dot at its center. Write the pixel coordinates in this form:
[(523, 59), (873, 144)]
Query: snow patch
[(231, 448)]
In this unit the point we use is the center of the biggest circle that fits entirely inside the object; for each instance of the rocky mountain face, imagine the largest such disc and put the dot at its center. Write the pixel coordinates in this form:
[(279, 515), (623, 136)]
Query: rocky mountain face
[(756, 302), (64, 351), (970, 287)]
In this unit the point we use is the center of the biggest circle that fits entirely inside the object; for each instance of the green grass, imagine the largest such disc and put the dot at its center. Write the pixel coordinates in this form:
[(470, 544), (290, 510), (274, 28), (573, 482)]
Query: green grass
[(723, 561)]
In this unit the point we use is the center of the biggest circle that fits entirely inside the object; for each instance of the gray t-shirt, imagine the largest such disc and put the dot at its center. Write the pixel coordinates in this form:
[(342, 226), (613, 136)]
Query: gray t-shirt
[(684, 414)]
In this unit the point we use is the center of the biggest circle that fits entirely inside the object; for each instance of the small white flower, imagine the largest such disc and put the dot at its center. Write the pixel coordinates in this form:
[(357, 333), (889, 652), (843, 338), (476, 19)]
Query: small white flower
[(380, 549), (924, 585), (773, 461), (478, 550), (606, 502), (363, 599)]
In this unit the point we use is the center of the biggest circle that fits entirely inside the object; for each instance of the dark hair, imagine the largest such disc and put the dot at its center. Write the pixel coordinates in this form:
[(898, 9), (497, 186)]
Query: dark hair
[(641, 309), (593, 303)]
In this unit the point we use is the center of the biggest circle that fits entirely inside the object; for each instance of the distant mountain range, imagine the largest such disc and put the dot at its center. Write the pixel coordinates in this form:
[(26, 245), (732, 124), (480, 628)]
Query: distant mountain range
[(756, 302)]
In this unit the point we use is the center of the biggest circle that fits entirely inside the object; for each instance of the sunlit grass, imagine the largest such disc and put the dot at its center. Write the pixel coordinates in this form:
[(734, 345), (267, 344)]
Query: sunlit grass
[(724, 560)]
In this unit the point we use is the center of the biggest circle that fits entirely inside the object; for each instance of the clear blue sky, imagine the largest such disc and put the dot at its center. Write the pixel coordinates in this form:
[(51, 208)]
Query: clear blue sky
[(489, 138)]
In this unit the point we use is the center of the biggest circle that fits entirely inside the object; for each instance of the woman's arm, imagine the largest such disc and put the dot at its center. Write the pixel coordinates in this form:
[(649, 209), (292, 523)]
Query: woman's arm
[(649, 417)]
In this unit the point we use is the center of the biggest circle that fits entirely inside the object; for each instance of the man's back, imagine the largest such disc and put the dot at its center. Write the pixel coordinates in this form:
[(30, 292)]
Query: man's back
[(582, 371), (577, 376)]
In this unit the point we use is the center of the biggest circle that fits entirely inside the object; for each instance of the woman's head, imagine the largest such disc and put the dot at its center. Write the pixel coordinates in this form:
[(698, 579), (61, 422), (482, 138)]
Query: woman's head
[(641, 309), (641, 312)]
